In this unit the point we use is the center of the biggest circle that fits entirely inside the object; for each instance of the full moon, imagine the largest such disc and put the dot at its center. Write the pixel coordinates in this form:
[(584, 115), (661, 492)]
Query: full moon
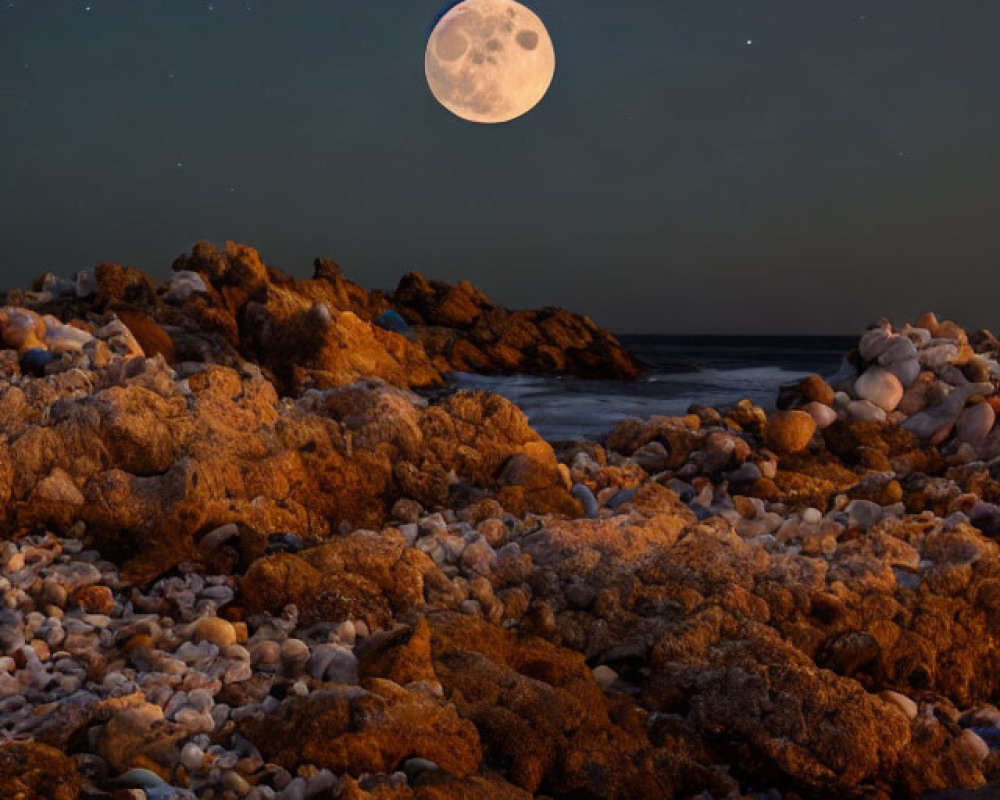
[(489, 60)]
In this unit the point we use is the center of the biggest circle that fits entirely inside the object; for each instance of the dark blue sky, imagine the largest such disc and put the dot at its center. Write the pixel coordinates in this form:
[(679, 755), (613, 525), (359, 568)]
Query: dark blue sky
[(697, 166)]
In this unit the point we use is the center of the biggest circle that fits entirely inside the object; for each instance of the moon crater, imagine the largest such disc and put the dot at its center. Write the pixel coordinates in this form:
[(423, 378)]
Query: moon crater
[(489, 61), (527, 39)]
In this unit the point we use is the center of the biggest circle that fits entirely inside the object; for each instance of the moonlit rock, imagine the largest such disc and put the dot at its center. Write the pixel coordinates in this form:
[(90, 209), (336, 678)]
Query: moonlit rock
[(184, 284), (907, 371), (824, 415), (86, 284), (65, 338), (975, 423), (875, 341), (747, 472), (334, 663), (902, 702), (930, 423), (938, 355), (952, 375), (974, 745), (215, 630), (321, 313), (138, 779), (21, 329), (865, 411), (900, 348), (586, 498), (919, 336), (863, 513), (320, 781), (192, 757), (195, 721), (294, 656), (879, 386), (218, 536), (604, 676)]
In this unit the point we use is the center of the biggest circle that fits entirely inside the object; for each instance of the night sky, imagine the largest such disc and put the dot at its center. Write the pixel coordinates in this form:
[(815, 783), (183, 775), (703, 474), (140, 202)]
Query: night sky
[(771, 166)]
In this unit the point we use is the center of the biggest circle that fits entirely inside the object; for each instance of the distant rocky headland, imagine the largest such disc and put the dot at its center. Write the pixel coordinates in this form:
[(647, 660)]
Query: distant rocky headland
[(243, 554)]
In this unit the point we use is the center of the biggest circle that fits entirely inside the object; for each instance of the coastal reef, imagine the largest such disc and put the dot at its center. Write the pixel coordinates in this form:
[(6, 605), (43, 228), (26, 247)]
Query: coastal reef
[(252, 546)]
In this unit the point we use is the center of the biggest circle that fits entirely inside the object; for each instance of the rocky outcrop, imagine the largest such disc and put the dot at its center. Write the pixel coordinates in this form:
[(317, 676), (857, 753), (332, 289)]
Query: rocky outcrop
[(461, 329), (167, 459), (281, 573), (225, 306)]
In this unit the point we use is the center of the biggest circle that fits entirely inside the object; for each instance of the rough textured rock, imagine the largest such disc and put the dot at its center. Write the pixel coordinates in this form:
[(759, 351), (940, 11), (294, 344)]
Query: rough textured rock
[(461, 329), (29, 770), (167, 466), (392, 595), (790, 431), (371, 731)]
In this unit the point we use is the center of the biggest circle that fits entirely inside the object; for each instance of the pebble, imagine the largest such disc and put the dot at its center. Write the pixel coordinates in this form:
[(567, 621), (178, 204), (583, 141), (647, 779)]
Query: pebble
[(605, 676), (899, 349), (586, 498), (824, 415), (974, 745), (902, 702), (879, 386), (975, 423), (218, 631), (865, 411), (295, 656), (906, 371), (192, 757), (863, 514), (334, 663), (747, 472), (875, 341)]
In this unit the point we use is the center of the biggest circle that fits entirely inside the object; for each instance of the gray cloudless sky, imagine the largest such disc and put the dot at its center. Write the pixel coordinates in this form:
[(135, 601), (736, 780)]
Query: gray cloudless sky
[(711, 166)]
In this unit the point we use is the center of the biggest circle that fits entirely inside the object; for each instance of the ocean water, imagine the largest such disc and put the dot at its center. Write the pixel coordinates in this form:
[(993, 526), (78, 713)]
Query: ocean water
[(711, 370)]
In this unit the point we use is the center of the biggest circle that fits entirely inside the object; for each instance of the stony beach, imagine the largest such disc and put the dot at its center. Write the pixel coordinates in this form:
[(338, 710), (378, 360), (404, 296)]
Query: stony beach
[(253, 546)]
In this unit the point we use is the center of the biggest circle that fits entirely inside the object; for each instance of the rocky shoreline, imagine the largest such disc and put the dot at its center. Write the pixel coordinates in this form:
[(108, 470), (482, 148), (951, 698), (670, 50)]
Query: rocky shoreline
[(240, 556)]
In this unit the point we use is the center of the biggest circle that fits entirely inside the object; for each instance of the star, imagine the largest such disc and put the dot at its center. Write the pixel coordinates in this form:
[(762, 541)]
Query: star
[(180, 164), (749, 42)]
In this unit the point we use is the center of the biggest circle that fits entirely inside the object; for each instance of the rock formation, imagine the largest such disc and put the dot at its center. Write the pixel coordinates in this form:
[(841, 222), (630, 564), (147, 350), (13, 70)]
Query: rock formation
[(241, 558)]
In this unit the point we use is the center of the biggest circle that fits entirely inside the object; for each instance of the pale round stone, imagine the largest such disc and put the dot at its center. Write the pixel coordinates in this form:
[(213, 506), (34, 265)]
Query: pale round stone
[(865, 411), (294, 656), (215, 630), (902, 702), (974, 745), (605, 676), (192, 757), (824, 415), (879, 386)]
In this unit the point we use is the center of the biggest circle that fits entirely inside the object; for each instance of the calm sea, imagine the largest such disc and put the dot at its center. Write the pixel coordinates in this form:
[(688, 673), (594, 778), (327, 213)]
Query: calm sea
[(712, 370)]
